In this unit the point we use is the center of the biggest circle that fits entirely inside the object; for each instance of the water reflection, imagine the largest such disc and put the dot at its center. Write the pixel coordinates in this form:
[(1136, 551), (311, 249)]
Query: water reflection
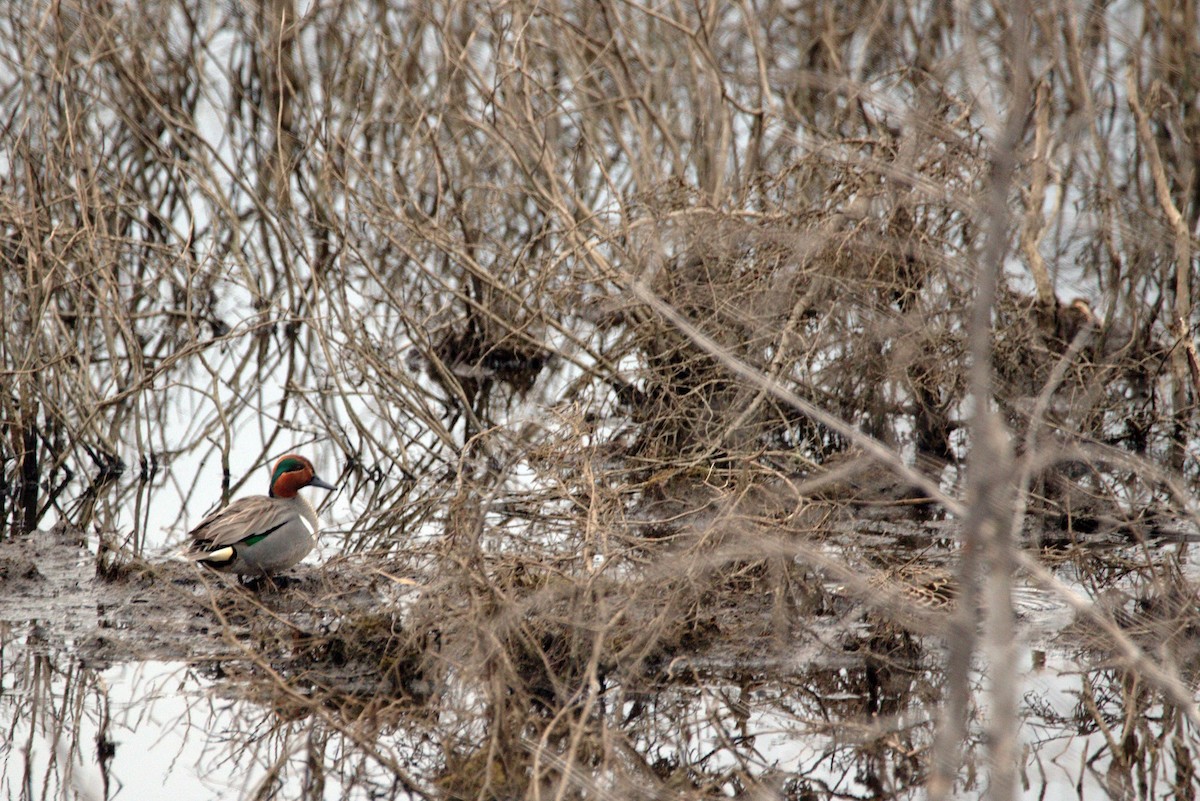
[(324, 689), (78, 733), (165, 730)]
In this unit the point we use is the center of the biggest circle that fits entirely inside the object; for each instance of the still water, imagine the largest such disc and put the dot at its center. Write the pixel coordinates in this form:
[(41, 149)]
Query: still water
[(237, 695)]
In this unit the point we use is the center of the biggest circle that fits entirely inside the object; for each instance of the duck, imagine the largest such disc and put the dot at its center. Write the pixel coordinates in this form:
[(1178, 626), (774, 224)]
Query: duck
[(261, 535)]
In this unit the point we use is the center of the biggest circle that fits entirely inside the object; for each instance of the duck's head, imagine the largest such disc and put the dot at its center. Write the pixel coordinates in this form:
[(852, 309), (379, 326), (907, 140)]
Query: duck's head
[(293, 472)]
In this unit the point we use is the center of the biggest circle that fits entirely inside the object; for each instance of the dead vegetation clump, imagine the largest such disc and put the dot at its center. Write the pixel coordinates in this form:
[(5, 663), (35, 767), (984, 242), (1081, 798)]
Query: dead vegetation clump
[(830, 293)]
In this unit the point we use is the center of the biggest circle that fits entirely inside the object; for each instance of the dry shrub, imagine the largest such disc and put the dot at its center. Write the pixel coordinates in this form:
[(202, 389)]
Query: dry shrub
[(429, 239)]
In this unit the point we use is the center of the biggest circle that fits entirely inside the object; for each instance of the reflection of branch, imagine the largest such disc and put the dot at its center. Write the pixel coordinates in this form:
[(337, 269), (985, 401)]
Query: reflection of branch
[(1134, 658)]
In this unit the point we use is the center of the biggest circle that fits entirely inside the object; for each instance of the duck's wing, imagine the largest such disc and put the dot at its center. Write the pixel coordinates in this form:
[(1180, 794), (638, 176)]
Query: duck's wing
[(244, 519)]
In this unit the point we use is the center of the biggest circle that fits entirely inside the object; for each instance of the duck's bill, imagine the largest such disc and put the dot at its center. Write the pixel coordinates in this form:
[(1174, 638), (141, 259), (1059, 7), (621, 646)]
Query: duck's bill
[(317, 482)]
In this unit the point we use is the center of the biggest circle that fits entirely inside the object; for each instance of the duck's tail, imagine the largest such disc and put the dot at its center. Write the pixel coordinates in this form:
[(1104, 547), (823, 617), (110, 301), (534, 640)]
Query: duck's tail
[(218, 558)]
